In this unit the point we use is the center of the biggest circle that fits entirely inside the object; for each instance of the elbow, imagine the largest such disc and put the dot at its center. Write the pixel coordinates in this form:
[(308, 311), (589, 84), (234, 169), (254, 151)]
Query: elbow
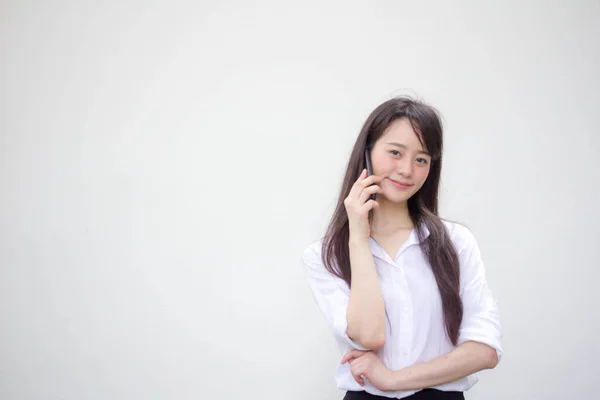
[(375, 342), (370, 335), (490, 357), (484, 355), (369, 340)]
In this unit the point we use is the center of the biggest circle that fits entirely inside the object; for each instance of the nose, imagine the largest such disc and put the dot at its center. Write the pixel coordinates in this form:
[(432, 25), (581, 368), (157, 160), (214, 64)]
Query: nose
[(405, 167)]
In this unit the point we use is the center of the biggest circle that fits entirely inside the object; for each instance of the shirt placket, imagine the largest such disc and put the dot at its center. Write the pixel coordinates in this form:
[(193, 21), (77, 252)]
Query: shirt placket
[(406, 325), (405, 336)]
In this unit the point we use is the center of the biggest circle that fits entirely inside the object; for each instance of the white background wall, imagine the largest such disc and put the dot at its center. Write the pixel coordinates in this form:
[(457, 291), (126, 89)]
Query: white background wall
[(164, 164)]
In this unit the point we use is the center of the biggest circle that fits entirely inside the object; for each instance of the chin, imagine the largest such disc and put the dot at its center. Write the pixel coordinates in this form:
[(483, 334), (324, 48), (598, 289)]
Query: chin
[(398, 198)]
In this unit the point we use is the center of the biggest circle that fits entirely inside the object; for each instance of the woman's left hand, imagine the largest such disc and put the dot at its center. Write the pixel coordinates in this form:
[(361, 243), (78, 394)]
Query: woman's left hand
[(366, 364)]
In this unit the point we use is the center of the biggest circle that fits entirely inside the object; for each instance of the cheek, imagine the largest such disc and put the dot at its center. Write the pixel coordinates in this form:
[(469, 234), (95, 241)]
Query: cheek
[(383, 166), (421, 175)]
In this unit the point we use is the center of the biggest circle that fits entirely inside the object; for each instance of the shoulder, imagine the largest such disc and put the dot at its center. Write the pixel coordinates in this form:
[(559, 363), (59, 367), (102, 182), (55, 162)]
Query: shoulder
[(460, 235), (311, 256), (314, 266)]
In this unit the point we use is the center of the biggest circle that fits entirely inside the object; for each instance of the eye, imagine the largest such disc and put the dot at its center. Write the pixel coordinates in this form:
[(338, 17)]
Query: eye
[(422, 160), (395, 153)]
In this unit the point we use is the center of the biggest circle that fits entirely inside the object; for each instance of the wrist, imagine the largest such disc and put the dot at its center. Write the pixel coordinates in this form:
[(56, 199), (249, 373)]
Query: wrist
[(397, 381), (358, 241)]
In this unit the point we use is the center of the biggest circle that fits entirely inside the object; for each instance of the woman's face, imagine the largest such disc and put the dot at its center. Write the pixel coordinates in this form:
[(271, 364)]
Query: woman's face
[(400, 159)]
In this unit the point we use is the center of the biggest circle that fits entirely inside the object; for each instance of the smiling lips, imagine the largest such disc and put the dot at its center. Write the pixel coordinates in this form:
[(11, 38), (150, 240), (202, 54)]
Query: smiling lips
[(400, 185)]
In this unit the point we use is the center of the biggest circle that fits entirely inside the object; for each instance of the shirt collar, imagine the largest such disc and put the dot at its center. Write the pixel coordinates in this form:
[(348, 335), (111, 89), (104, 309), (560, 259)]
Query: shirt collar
[(412, 239)]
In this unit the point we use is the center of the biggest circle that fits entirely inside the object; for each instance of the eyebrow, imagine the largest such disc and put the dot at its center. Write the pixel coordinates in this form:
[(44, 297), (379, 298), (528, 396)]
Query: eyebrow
[(404, 147)]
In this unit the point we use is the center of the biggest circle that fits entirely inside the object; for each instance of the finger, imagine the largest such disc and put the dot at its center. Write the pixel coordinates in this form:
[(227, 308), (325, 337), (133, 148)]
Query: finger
[(361, 183), (357, 372), (364, 180), (368, 191), (351, 355), (363, 368), (369, 180), (356, 187), (363, 175), (348, 359), (369, 205), (360, 381)]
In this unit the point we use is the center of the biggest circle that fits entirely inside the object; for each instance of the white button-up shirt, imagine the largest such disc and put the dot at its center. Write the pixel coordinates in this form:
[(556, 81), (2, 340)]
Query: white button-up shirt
[(415, 331)]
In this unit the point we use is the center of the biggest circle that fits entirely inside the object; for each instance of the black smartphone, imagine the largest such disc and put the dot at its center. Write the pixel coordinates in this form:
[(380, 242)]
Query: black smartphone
[(369, 168)]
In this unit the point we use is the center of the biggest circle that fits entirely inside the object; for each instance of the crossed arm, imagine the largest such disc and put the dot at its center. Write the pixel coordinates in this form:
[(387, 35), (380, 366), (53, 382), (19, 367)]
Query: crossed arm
[(464, 360), (479, 338)]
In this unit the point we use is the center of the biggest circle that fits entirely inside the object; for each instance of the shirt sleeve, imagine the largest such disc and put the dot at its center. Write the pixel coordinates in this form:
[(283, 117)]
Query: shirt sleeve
[(481, 317), (331, 295)]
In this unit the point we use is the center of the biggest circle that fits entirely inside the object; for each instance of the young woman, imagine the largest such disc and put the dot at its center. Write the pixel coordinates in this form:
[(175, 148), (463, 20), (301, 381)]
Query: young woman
[(404, 292)]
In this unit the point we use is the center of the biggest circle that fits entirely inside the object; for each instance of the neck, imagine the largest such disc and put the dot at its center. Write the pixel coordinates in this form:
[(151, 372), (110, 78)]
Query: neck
[(389, 218)]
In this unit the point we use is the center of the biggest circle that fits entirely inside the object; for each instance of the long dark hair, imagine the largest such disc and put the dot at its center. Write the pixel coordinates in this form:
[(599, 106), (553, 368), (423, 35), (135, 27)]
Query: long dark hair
[(423, 205)]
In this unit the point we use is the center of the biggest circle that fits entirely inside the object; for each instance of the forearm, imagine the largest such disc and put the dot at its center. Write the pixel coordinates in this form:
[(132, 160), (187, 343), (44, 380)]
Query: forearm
[(466, 359), (366, 309)]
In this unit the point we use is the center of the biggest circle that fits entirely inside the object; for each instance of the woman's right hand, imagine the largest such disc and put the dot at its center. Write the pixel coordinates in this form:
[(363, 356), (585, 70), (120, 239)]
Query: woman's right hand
[(358, 204)]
